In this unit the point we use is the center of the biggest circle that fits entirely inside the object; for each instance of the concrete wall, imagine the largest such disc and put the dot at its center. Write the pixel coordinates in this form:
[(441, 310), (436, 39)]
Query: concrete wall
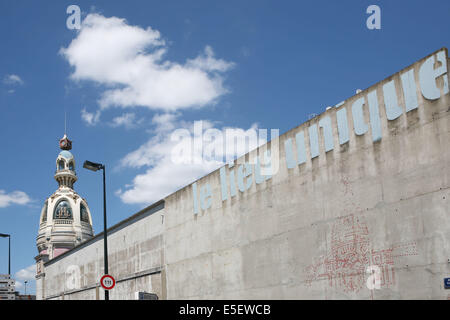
[(311, 230), (135, 260)]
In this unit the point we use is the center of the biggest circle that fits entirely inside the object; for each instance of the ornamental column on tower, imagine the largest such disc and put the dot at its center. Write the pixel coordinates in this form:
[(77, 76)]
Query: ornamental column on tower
[(65, 219)]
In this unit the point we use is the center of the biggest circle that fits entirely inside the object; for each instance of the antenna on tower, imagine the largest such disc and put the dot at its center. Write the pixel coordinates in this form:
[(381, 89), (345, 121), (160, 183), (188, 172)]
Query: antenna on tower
[(65, 120), (65, 143)]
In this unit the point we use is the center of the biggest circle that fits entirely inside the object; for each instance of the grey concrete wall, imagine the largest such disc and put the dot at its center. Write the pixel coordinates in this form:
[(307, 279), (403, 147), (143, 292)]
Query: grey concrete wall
[(135, 260), (310, 232)]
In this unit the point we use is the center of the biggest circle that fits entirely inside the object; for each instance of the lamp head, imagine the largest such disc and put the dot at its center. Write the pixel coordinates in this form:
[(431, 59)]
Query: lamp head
[(92, 166)]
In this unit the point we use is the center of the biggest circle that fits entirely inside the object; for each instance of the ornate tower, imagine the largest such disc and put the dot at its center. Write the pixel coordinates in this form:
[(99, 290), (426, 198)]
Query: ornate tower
[(65, 219)]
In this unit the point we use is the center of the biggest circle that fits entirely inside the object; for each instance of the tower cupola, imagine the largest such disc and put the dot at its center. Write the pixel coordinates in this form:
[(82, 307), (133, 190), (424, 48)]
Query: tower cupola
[(65, 169)]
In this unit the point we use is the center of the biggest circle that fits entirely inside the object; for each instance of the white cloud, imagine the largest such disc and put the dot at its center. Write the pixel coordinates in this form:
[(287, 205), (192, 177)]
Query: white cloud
[(156, 148), (129, 60), (89, 118), (163, 175), (19, 285), (207, 62), (15, 197), (26, 274), (165, 122), (12, 79), (127, 120)]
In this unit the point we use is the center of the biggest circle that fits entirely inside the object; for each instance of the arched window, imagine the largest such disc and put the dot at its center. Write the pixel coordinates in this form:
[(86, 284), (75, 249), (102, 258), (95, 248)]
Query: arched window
[(61, 165), (71, 165), (63, 211), (84, 215)]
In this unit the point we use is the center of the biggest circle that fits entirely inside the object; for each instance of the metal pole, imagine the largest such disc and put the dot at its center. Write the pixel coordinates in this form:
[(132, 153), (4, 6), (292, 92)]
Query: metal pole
[(105, 240), (9, 254)]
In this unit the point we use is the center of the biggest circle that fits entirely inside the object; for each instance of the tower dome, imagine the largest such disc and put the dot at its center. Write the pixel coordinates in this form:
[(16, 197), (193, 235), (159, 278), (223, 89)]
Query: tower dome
[(65, 219)]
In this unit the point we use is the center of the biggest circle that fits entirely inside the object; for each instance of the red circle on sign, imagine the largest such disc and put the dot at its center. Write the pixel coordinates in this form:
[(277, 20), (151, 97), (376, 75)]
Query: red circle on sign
[(107, 282)]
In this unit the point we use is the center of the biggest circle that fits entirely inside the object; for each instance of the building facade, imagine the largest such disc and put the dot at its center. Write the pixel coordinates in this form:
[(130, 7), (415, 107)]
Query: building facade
[(352, 204), (7, 287)]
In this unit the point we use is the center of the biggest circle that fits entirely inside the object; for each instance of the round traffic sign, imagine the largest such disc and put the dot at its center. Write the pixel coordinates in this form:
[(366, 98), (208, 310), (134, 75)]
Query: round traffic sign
[(107, 282)]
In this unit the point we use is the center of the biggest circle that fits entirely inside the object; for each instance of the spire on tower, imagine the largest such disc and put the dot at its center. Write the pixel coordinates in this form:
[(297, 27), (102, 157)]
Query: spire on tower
[(65, 143)]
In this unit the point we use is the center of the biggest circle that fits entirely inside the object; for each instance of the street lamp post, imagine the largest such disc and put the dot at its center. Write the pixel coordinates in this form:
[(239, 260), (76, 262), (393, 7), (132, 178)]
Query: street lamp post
[(95, 167), (26, 287), (3, 235)]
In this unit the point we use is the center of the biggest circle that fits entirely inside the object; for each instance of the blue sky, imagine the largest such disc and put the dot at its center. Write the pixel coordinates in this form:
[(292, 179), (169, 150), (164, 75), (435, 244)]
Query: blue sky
[(244, 63)]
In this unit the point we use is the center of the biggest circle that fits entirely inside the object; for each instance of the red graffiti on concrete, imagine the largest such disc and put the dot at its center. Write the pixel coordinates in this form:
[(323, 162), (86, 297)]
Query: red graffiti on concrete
[(351, 253)]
